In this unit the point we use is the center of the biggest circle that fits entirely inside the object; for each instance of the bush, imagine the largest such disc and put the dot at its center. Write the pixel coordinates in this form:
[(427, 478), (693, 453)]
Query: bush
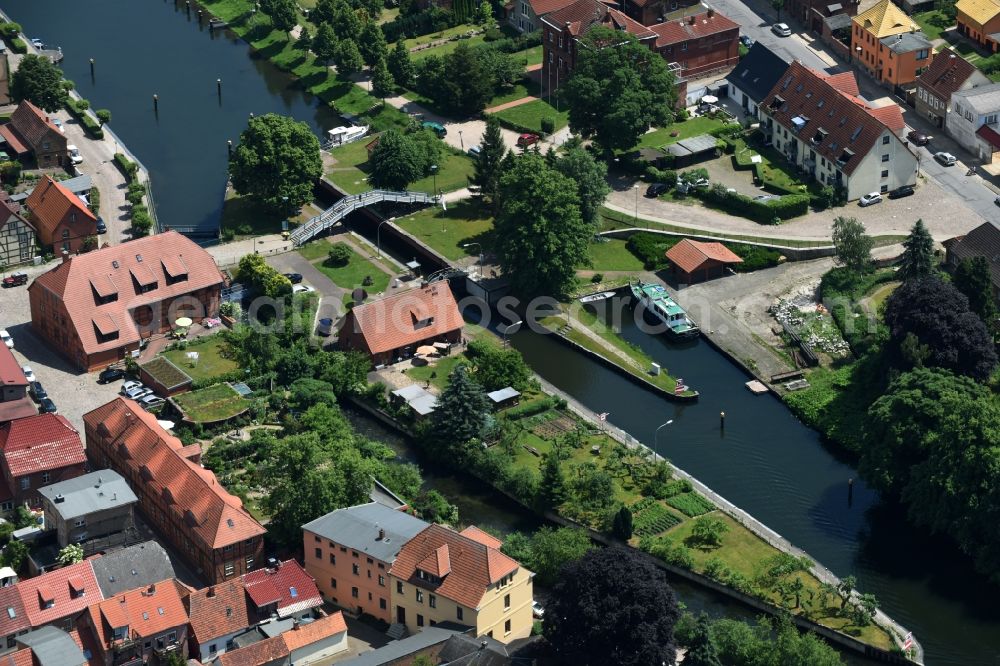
[(10, 172), (548, 125), (597, 278), (128, 167), (339, 255), (103, 116), (650, 249), (95, 201), (764, 212), (77, 109), (17, 45), (665, 176), (68, 85), (10, 30)]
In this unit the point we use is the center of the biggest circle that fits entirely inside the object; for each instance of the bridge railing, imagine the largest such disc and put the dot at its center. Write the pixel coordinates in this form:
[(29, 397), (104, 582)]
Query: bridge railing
[(349, 204)]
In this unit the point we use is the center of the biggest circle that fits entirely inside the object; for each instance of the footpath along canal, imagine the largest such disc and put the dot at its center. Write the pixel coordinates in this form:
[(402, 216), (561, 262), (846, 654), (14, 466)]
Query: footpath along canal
[(766, 462)]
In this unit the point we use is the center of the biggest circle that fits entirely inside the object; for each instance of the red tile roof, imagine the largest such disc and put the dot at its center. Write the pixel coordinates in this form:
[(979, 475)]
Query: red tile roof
[(219, 610), (407, 318), (990, 135), (288, 584), (213, 516), (51, 202), (689, 255), (582, 15), (40, 443), (472, 566), (10, 371), (836, 125), (307, 633), (33, 125), (146, 611), (12, 410), (109, 271), (482, 537), (22, 657), (845, 82), (258, 654), (891, 116), (696, 26), (543, 7), (437, 563), (54, 585), (13, 619), (947, 74), (14, 141)]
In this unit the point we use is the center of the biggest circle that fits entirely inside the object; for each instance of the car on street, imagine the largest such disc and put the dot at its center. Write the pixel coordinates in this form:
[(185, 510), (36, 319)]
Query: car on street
[(781, 30), (28, 374), (302, 289), (656, 189), (101, 227), (902, 191), (474, 151), (151, 402), (869, 199), (138, 393), (7, 340), (37, 43), (46, 406), (526, 139), (15, 280), (437, 128), (129, 385), (997, 201), (918, 138), (37, 391), (74, 154), (746, 41), (537, 610), (109, 375), (59, 124), (946, 159), (294, 278)]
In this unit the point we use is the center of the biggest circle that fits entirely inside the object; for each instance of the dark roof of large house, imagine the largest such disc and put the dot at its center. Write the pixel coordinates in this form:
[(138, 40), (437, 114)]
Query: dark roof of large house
[(834, 124), (32, 124), (983, 241), (135, 566), (948, 72), (582, 15), (692, 28), (757, 72), (463, 650), (394, 651), (372, 528)]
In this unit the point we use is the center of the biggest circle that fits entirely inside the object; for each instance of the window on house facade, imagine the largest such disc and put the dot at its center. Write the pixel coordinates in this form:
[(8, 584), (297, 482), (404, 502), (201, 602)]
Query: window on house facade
[(80, 522), (420, 620), (432, 601), (333, 558), (25, 483), (420, 596), (922, 54), (399, 587), (381, 581), (319, 553), (885, 158), (249, 562), (991, 119), (381, 603), (230, 569), (885, 140), (46, 476), (333, 583), (172, 637), (354, 592), (524, 9), (355, 570), (885, 173), (458, 612), (506, 627)]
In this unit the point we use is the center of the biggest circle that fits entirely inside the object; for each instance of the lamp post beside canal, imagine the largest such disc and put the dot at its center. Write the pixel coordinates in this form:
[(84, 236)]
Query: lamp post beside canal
[(464, 245), (506, 330), (656, 434)]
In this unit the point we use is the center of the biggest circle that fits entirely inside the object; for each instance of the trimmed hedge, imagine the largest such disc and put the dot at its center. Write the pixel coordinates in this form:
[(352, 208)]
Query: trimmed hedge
[(78, 109), (765, 212), (127, 166), (17, 45)]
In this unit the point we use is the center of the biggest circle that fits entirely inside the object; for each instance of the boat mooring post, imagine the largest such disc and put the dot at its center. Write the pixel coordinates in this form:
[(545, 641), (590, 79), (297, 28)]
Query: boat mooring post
[(850, 492), (722, 420)]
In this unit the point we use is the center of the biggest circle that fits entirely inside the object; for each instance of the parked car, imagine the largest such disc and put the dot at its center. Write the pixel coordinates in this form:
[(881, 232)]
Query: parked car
[(537, 610), (781, 30), (325, 327), (101, 227), (46, 406), (870, 199), (15, 280), (28, 374), (138, 393), (110, 375), (59, 124), (474, 151), (946, 159), (151, 402), (656, 189), (527, 139), (437, 128), (7, 340), (746, 41), (997, 201), (294, 278), (37, 43), (918, 138), (302, 289), (74, 154), (129, 385), (902, 191), (37, 391)]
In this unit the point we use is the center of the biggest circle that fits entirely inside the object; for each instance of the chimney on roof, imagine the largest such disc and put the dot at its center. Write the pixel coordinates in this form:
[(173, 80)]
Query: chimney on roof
[(277, 565), (295, 624), (568, 24), (151, 590), (381, 534), (693, 19), (65, 256), (211, 592), (711, 12), (482, 646), (60, 499)]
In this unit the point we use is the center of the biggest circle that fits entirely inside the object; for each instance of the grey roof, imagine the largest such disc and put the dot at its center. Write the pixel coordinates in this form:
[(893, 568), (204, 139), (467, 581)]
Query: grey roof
[(358, 527), (97, 491), (503, 394), (421, 401), (983, 99), (757, 72), (136, 566), (53, 647), (427, 637), (838, 21), (462, 650), (983, 241), (383, 495), (693, 145), (906, 42)]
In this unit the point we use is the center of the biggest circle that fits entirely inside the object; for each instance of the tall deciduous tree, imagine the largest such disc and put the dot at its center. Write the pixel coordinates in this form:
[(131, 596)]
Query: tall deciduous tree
[(853, 244), (325, 43), (281, 12), (973, 278), (918, 253), (348, 57), (395, 162), (618, 89), (400, 65), (382, 84), (591, 181), (345, 20), (468, 85), (323, 12), (371, 43), (939, 316), (612, 606), (541, 236), (494, 367), (463, 410), (489, 164), (277, 162), (38, 80)]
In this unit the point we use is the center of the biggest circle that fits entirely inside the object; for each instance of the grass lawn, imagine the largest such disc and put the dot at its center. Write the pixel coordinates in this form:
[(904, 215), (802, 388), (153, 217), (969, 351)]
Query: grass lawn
[(351, 170), (215, 403), (435, 36), (530, 56), (931, 23), (881, 293), (315, 249), (447, 230), (612, 255), (530, 115), (436, 374), (519, 90), (245, 217), (446, 48), (388, 15), (684, 129), (454, 172), (213, 358), (354, 273)]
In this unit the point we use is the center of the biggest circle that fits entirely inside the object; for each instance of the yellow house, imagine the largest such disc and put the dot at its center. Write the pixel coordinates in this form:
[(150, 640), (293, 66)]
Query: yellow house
[(979, 20), (441, 575), (875, 38)]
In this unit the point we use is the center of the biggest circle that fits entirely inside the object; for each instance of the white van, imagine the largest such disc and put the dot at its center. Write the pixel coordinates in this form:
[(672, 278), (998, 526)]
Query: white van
[(74, 154)]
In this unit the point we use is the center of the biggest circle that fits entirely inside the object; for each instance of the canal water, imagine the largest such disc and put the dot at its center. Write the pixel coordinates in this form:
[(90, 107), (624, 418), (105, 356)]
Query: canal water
[(765, 460)]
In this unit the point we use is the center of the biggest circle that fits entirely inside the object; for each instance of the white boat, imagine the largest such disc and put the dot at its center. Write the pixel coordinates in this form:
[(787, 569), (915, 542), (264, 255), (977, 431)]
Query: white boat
[(591, 298), (655, 299), (340, 136)]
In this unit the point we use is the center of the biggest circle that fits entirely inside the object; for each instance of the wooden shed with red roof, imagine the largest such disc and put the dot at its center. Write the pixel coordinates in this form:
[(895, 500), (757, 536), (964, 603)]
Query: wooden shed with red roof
[(63, 221), (695, 261)]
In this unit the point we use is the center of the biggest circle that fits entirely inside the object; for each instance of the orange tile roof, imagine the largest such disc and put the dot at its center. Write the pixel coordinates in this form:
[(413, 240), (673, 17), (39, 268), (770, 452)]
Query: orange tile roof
[(213, 516), (407, 318), (257, 654), (11, 604), (697, 26), (473, 567), (22, 657), (146, 611), (543, 7), (219, 610), (54, 585), (13, 140), (891, 116), (10, 370), (40, 443), (32, 124), (51, 202), (482, 537), (306, 633), (688, 255), (288, 585), (437, 563), (845, 82)]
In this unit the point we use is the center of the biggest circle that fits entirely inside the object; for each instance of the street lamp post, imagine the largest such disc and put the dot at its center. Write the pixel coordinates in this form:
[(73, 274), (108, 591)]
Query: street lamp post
[(507, 328), (378, 237), (461, 141), (434, 173), (656, 434), (480, 256), (636, 188)]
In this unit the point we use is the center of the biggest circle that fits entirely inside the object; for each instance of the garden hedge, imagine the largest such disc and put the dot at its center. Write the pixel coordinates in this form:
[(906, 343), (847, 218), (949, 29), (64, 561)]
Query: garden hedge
[(78, 109)]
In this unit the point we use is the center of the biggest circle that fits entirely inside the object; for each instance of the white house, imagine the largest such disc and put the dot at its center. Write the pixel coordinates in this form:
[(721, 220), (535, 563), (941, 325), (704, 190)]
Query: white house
[(972, 121)]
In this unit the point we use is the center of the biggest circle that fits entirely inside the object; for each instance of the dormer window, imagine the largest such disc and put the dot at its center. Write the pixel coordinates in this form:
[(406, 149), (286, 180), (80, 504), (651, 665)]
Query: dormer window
[(777, 102), (845, 156), (820, 136)]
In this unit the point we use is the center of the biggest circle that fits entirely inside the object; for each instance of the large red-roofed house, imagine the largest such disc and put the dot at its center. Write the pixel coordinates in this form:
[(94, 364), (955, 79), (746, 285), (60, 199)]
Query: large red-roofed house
[(60, 596), (62, 219), (38, 450), (208, 526), (31, 131), (392, 328), (95, 308)]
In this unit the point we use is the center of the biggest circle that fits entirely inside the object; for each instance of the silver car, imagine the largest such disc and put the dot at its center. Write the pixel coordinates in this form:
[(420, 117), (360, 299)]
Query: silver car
[(946, 159), (138, 392), (781, 30)]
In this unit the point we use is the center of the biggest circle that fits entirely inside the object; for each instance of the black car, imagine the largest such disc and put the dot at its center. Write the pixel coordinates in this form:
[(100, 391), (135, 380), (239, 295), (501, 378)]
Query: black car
[(746, 41), (656, 189), (110, 375), (46, 406), (37, 392), (900, 192), (918, 138), (294, 278), (101, 227)]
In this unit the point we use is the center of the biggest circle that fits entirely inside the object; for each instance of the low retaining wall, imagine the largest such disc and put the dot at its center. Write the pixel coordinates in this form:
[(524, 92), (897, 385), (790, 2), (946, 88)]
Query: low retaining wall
[(792, 253)]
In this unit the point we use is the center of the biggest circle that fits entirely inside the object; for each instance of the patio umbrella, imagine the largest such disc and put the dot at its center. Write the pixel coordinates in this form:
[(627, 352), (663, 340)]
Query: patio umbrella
[(426, 349), (183, 322), (710, 99)]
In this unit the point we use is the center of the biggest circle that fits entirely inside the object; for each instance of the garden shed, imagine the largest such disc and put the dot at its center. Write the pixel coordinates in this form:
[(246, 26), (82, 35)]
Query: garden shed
[(504, 398), (165, 378), (693, 150)]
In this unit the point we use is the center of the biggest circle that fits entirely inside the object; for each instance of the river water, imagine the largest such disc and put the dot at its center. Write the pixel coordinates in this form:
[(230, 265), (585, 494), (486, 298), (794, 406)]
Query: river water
[(764, 461)]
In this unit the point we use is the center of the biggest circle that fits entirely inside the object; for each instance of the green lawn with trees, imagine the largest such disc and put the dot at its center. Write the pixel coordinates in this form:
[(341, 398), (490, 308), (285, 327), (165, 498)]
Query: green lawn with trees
[(214, 357), (447, 231), (352, 270), (529, 117)]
